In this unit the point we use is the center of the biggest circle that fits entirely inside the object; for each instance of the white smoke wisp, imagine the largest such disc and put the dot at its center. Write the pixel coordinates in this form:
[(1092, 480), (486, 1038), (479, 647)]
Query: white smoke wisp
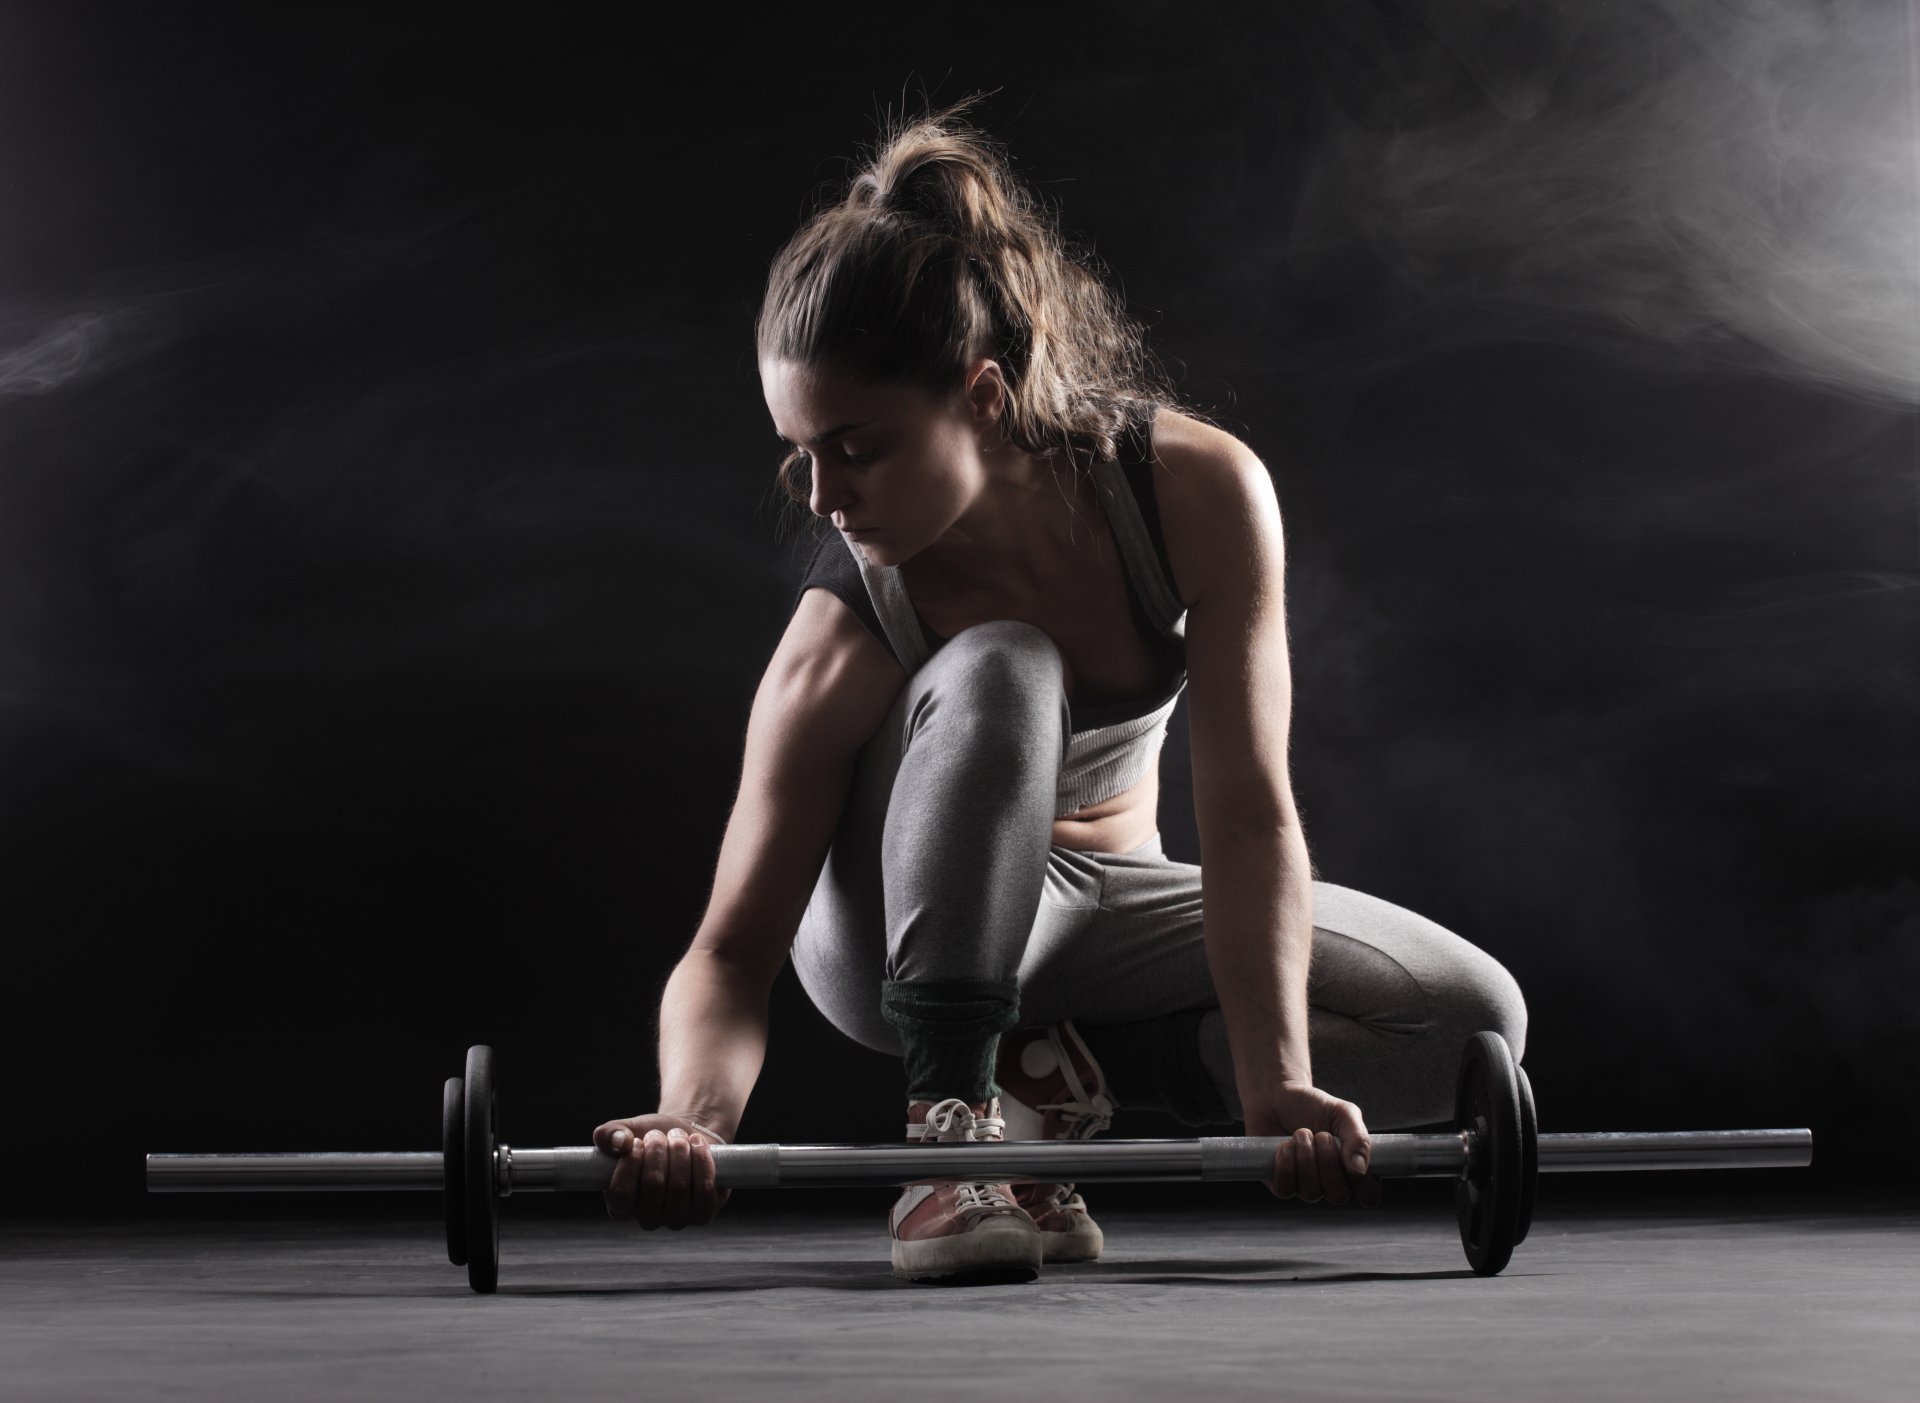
[(53, 356), (1738, 180)]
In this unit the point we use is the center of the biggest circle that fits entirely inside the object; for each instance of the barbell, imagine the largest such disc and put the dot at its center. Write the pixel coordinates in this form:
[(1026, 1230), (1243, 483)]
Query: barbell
[(1494, 1153)]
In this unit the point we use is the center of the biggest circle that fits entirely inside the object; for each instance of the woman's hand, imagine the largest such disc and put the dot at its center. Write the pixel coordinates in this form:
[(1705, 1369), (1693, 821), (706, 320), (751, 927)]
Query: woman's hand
[(1310, 1164), (665, 1174)]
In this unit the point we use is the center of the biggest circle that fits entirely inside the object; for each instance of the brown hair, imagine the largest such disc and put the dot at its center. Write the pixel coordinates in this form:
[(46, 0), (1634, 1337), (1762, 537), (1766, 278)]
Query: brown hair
[(936, 253)]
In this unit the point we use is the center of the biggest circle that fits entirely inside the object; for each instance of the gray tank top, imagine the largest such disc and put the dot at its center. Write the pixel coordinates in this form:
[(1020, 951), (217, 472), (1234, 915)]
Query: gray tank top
[(1112, 746)]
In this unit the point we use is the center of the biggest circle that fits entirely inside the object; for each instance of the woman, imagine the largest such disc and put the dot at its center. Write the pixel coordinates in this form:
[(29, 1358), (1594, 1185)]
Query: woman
[(947, 813)]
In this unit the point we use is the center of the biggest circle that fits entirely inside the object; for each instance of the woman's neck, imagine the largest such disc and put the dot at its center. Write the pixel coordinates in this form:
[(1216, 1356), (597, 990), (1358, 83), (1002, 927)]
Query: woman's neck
[(1018, 533)]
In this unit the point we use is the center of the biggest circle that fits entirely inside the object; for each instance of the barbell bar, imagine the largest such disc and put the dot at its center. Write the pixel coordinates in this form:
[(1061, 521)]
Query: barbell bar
[(584, 1169), (1493, 1153)]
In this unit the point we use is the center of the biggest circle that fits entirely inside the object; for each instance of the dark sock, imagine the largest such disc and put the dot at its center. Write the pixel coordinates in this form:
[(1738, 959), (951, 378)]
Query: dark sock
[(1156, 1063), (949, 1031)]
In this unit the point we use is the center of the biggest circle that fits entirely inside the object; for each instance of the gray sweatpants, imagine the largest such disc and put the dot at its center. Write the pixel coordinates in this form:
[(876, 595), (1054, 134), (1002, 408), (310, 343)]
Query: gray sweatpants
[(943, 868)]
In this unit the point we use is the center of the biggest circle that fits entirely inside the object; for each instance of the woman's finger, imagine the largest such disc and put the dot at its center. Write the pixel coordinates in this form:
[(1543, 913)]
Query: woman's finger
[(704, 1202), (619, 1194), (679, 1178), (1333, 1174), (1306, 1171), (650, 1199), (1356, 1144), (1283, 1184), (1366, 1190)]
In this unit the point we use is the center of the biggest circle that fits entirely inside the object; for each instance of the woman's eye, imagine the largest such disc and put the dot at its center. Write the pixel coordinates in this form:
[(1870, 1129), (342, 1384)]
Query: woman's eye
[(857, 458)]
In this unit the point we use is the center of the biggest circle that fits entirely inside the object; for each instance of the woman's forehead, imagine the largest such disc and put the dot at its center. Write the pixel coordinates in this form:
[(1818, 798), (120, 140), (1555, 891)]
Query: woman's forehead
[(812, 403)]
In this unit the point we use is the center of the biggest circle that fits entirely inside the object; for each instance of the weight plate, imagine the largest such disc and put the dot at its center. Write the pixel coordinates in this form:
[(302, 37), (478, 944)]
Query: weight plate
[(1488, 1193), (481, 1188), (1529, 1154), (453, 1163)]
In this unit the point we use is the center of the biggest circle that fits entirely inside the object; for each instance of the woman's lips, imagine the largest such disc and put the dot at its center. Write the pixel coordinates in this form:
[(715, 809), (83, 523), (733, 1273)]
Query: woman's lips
[(859, 531)]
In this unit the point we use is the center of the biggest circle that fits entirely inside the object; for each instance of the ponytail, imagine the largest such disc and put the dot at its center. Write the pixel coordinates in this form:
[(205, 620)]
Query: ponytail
[(937, 254)]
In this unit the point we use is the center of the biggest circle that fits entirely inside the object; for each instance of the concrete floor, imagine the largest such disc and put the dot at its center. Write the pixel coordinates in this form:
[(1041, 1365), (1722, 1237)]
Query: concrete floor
[(1678, 1297)]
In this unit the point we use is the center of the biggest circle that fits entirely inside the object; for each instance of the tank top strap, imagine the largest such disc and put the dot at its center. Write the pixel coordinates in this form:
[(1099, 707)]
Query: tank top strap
[(897, 615), (1162, 605)]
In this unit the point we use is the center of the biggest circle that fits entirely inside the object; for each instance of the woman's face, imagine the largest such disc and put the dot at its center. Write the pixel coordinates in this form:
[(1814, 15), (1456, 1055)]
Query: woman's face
[(894, 466)]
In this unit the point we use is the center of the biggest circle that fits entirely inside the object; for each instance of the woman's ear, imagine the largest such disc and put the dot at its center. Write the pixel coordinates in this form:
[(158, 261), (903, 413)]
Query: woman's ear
[(987, 397)]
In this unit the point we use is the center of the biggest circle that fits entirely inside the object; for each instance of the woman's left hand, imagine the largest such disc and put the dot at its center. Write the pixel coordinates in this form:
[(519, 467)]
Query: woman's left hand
[(1326, 1134)]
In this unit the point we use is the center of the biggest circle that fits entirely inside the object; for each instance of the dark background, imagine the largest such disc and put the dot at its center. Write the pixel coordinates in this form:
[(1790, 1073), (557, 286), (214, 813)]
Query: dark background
[(389, 552)]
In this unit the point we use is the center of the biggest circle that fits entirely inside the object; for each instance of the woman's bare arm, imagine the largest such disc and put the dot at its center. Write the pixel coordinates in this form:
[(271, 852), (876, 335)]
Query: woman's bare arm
[(825, 692)]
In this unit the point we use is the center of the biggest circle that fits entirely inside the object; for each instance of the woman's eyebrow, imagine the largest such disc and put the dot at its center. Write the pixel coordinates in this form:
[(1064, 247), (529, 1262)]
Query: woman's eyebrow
[(830, 435)]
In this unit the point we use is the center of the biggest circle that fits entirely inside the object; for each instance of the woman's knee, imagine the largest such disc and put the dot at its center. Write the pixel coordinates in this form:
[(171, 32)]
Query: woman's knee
[(997, 692), (1397, 971), (855, 1011), (840, 963), (1486, 998), (1002, 661)]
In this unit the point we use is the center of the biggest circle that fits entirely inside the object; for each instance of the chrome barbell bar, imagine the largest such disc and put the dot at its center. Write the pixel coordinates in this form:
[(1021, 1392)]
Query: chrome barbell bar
[(1216, 1158)]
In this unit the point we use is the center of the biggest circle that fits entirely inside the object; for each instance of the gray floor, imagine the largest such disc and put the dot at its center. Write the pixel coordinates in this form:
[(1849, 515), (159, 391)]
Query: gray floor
[(1684, 1298)]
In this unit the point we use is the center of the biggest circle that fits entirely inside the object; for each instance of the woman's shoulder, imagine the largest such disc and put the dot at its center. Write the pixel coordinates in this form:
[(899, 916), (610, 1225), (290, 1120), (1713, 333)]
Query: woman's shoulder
[(1185, 447), (1200, 474), (831, 567)]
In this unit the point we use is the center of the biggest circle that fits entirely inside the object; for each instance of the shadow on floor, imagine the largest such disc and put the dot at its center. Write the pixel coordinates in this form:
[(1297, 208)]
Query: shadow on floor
[(872, 1276)]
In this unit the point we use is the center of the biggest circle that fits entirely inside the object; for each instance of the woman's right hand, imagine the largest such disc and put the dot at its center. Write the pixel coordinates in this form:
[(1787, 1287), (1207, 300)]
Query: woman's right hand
[(665, 1174)]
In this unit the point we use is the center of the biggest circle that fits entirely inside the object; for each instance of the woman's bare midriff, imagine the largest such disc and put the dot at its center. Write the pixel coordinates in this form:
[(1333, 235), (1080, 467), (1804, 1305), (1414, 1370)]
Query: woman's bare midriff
[(1116, 825)]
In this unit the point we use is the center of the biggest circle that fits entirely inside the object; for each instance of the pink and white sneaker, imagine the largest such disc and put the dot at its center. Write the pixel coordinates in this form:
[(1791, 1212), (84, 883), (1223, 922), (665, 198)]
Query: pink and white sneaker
[(961, 1233), (1052, 1089)]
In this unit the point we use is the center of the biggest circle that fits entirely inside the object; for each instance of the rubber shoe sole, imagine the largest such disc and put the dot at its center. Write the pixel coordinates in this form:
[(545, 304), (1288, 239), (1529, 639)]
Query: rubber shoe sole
[(998, 1250), (1082, 1242)]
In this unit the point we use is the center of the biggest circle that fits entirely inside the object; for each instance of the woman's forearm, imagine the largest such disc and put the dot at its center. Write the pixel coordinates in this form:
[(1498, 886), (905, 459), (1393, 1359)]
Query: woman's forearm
[(1257, 893), (713, 1040)]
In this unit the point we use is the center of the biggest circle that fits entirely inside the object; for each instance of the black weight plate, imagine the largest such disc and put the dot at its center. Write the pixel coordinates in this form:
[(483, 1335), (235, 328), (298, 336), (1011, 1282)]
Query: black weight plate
[(482, 1191), (1529, 1154), (453, 1165), (1488, 1192)]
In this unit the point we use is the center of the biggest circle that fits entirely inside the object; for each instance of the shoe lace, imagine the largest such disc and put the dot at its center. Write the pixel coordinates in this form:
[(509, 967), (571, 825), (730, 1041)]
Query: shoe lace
[(1085, 1112), (1030, 1197), (1077, 1121), (980, 1196), (953, 1120)]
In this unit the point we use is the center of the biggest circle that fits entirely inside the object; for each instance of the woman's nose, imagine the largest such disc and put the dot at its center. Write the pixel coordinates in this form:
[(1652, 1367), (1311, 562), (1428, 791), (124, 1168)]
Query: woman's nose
[(827, 494)]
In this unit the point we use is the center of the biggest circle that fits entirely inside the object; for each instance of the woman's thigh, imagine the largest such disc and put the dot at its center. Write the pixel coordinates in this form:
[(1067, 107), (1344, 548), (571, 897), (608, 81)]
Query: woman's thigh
[(942, 834), (1128, 942), (1121, 937)]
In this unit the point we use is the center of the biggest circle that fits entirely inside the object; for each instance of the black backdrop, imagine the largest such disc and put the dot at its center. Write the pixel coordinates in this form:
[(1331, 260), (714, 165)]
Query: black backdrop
[(388, 552)]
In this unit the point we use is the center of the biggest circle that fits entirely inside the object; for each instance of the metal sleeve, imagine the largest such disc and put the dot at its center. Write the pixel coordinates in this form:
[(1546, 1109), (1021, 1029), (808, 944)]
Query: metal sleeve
[(1679, 1149), (173, 1174)]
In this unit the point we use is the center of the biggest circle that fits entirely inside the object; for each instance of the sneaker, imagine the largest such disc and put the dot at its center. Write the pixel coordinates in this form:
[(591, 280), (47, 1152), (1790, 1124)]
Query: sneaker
[(959, 1234), (1052, 1089)]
